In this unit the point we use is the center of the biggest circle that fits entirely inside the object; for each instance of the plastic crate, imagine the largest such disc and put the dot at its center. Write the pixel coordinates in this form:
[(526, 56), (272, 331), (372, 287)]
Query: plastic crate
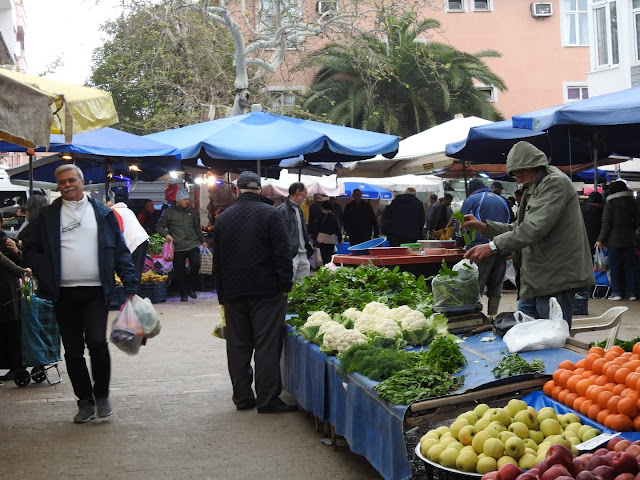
[(117, 298), (154, 291), (580, 306)]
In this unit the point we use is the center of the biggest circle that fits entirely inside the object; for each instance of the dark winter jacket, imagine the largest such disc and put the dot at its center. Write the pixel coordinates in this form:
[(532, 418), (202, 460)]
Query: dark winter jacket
[(619, 221), (183, 224), (251, 251), (288, 210), (329, 225), (359, 220), (592, 216), (404, 218), (44, 255), (486, 205)]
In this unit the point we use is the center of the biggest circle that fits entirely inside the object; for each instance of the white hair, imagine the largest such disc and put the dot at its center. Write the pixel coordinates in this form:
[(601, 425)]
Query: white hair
[(69, 166)]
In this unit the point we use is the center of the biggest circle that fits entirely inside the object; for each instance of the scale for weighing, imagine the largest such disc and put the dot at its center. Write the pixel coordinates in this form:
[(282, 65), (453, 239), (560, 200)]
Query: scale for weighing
[(464, 318)]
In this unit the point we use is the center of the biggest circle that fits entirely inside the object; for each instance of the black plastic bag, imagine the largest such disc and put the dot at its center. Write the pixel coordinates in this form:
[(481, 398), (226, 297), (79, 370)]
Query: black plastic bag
[(503, 322)]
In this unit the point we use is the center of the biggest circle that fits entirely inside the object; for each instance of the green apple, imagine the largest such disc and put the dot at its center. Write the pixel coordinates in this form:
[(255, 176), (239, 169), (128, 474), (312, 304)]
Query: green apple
[(479, 439), (527, 461), (537, 436), (532, 410), (486, 464), (470, 416), (550, 426), (520, 429), (481, 409), (573, 427), (589, 434), (448, 457), (560, 440), (547, 412), (541, 456), (498, 426), (569, 434), (575, 450), (434, 452), (457, 445), (430, 434), (514, 447), (447, 440), (572, 418), (531, 451), (455, 427), (492, 431), (466, 434), (426, 445), (583, 429), (514, 406), (467, 461), (543, 447), (528, 418), (499, 415), (506, 459), (446, 435), (467, 448), (482, 423), (493, 447), (530, 443), (481, 455), (503, 436), (442, 430)]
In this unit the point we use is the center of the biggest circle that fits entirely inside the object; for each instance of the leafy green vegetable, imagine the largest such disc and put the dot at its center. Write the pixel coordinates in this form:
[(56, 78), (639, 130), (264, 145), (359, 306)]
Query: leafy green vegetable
[(514, 364), (156, 242), (626, 345), (374, 362), (444, 355), (335, 291), (468, 237), (451, 289)]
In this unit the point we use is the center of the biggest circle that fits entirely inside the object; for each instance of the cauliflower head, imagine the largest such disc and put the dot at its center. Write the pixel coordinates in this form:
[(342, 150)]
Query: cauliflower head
[(352, 313), (376, 308), (414, 320), (317, 318), (399, 313), (340, 339), (386, 327)]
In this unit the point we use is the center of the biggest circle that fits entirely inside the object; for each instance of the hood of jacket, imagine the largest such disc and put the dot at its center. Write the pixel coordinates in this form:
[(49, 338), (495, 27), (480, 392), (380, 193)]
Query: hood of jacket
[(613, 196), (523, 155)]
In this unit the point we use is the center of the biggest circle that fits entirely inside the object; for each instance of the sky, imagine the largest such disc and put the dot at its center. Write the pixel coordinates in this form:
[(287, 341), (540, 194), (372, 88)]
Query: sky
[(69, 29)]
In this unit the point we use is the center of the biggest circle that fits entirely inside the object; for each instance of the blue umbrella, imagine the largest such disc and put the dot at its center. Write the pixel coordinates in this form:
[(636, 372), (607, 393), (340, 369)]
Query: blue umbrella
[(603, 177), (224, 144), (368, 191)]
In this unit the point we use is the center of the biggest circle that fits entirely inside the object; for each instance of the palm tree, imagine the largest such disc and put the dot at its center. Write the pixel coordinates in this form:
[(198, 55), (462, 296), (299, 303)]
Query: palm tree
[(400, 84)]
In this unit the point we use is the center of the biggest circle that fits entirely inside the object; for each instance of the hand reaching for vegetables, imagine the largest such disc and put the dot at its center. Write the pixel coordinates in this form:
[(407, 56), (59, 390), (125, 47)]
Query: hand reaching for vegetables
[(168, 238), (479, 253), (472, 223)]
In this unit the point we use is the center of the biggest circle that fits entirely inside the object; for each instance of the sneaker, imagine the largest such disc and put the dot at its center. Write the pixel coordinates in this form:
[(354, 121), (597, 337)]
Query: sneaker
[(86, 412), (632, 299), (104, 407), (277, 406), (615, 297)]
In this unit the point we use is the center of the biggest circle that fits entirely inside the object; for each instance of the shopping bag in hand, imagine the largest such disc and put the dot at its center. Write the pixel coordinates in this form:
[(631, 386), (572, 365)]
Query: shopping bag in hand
[(599, 261), (167, 251), (147, 316), (127, 332), (220, 330), (206, 261)]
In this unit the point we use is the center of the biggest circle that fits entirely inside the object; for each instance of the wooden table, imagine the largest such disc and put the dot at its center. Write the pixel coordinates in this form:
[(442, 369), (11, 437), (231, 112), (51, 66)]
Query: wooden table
[(426, 265)]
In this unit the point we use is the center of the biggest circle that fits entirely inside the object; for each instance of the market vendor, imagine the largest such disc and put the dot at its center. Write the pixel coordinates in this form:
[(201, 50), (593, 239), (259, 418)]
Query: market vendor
[(548, 240)]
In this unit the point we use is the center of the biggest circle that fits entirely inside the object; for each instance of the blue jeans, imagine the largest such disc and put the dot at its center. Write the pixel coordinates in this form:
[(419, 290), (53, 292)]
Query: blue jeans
[(622, 261), (538, 307)]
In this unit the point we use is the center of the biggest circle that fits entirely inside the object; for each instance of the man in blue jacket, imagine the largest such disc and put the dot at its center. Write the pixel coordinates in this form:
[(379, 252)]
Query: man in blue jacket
[(484, 204), (76, 248)]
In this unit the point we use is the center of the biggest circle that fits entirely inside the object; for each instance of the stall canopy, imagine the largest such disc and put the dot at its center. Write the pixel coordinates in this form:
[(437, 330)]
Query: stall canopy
[(370, 192), (421, 183), (31, 108), (626, 170), (420, 153), (325, 185), (100, 152), (236, 143)]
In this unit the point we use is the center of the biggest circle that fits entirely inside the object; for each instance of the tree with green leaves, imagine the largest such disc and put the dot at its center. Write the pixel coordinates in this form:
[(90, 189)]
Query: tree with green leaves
[(398, 81), (166, 66)]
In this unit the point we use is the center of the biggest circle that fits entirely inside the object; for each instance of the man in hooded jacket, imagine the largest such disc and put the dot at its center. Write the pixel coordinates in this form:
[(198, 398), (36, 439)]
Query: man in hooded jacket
[(402, 221), (548, 240)]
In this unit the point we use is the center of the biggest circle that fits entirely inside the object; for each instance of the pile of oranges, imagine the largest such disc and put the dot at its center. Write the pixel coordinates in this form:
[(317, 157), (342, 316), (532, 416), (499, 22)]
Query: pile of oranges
[(604, 386)]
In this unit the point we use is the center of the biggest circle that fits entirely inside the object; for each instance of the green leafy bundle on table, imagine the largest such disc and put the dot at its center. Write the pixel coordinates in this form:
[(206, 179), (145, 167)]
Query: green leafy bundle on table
[(514, 364), (444, 355), (626, 345), (336, 291), (156, 242), (377, 363)]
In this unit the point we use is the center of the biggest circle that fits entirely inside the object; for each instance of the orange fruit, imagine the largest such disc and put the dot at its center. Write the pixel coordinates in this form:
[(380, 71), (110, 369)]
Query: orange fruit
[(604, 397), (619, 361), (621, 375), (547, 387), (604, 413), (612, 404), (590, 358), (636, 348), (601, 380), (611, 372), (556, 390), (593, 411), (596, 350), (607, 420), (632, 379), (570, 398), (572, 381), (582, 385), (597, 365), (587, 374), (579, 370), (610, 355), (582, 363), (577, 403), (610, 385), (628, 406), (563, 394), (564, 376), (620, 423), (556, 375), (606, 366), (593, 391), (617, 349), (586, 405), (632, 393), (626, 355), (619, 388), (567, 365), (636, 421), (632, 365)]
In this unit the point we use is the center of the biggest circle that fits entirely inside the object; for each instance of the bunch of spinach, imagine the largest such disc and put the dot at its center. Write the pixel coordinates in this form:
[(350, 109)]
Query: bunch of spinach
[(514, 364), (444, 355), (468, 237), (335, 291), (156, 242), (377, 363)]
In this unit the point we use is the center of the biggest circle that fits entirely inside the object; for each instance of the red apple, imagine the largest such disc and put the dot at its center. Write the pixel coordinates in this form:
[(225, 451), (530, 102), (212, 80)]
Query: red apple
[(587, 475), (527, 476), (541, 466), (637, 477), (556, 471), (622, 445), (559, 455), (634, 450), (622, 462), (605, 472), (601, 451), (534, 471), (509, 471), (625, 476), (579, 464), (598, 460), (612, 442), (490, 476)]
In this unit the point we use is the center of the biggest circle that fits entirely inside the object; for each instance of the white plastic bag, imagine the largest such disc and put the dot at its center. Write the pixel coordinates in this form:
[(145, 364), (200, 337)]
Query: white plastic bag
[(456, 287), (599, 261), (541, 334), (147, 316), (127, 332)]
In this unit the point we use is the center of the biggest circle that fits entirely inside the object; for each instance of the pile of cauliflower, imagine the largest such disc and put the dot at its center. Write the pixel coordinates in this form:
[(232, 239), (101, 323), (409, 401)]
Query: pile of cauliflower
[(376, 323)]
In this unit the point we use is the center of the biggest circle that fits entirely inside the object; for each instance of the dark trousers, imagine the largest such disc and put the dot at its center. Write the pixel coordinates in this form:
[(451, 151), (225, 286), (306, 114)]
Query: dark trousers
[(538, 307), (491, 275), (255, 325), (186, 284), (326, 251), (81, 313), (622, 264), (138, 257)]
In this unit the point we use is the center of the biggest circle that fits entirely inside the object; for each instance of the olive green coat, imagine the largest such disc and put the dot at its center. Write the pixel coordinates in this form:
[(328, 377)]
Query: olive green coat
[(183, 224), (549, 239)]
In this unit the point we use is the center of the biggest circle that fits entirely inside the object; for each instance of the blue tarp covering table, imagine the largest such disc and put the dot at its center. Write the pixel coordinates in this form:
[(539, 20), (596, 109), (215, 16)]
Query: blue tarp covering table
[(373, 427)]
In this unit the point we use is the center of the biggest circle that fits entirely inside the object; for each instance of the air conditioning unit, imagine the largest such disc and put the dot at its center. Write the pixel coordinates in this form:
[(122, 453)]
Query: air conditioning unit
[(327, 6), (541, 9)]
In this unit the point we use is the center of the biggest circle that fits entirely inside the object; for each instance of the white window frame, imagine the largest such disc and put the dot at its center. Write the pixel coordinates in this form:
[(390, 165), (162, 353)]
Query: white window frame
[(565, 90), (274, 90), (635, 25), (574, 16), (489, 7), (463, 4), (493, 91), (609, 61)]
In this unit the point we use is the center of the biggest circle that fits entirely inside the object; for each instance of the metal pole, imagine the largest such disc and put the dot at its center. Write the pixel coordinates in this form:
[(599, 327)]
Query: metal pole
[(30, 174)]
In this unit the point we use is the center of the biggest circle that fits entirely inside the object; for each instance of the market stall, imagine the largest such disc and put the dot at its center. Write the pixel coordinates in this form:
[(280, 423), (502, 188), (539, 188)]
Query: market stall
[(426, 265)]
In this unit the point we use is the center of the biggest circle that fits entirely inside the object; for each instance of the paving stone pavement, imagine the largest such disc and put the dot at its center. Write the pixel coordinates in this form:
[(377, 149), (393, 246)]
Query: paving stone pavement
[(173, 419)]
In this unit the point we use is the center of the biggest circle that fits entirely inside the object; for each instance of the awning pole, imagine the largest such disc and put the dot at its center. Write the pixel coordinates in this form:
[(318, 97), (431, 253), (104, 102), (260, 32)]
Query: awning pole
[(30, 174)]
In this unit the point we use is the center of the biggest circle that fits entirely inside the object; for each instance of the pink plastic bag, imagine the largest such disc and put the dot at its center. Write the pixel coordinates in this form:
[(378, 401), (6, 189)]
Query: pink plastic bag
[(167, 251)]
